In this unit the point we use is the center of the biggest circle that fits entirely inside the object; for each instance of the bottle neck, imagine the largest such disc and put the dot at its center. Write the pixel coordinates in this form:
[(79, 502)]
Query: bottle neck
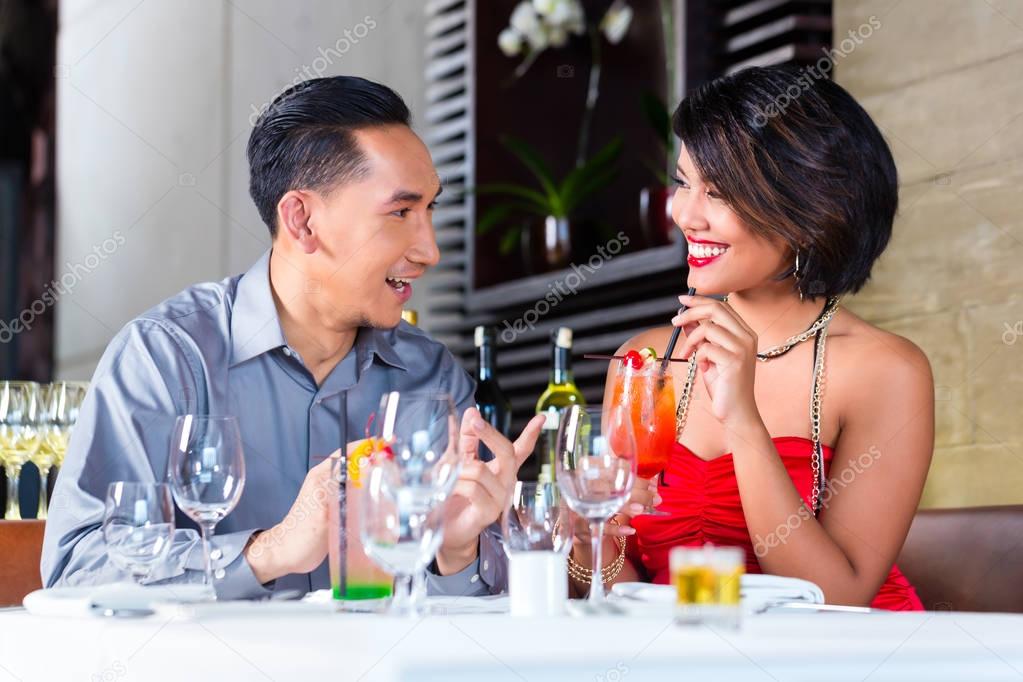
[(485, 362), (561, 365)]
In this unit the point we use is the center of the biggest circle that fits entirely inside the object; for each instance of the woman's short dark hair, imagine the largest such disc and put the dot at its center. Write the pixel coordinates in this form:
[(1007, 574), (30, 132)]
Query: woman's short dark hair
[(304, 139), (796, 157)]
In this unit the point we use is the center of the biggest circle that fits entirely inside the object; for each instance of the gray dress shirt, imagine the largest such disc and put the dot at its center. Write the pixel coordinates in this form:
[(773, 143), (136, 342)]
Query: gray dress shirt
[(218, 348)]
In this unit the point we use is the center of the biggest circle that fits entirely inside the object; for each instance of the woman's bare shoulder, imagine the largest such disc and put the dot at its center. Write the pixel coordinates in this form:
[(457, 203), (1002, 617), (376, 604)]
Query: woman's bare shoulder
[(875, 354)]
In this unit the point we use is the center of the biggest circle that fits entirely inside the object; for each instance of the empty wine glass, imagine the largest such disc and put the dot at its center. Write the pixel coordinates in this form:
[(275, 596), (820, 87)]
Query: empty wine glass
[(19, 435), (60, 402), (138, 526), (595, 474), (411, 474), (207, 474)]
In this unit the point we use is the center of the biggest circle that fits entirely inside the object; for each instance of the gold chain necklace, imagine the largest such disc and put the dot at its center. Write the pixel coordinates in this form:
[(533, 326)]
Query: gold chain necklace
[(819, 329)]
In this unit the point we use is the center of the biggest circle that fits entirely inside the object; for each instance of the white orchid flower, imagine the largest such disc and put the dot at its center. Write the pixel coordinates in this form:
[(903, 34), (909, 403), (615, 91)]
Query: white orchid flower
[(545, 7), (524, 19), (510, 42), (557, 36), (575, 21), (615, 23), (558, 12)]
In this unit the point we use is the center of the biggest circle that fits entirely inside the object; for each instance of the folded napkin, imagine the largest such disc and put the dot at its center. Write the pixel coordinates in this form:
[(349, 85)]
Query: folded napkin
[(757, 591), (85, 601)]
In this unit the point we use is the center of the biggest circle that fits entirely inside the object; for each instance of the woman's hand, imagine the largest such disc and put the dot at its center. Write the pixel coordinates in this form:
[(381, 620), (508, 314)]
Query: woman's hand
[(726, 354)]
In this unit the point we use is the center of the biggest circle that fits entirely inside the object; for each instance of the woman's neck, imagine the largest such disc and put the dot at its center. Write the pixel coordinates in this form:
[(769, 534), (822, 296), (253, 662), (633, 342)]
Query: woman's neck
[(775, 312)]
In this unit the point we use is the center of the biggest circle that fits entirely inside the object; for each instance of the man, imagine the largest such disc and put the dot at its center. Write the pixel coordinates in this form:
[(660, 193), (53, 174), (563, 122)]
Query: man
[(311, 335)]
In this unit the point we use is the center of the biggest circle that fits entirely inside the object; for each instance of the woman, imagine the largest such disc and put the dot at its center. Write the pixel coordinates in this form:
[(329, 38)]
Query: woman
[(786, 196)]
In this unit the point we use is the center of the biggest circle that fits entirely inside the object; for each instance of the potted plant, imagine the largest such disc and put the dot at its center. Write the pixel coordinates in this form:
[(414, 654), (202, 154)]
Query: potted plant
[(535, 26), (552, 201)]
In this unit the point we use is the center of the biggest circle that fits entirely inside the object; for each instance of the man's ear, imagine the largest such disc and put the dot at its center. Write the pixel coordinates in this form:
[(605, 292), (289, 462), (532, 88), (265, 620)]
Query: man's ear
[(294, 219)]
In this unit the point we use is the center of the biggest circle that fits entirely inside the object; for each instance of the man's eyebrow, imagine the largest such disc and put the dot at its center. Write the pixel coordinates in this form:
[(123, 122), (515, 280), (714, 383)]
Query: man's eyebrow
[(406, 195), (403, 195)]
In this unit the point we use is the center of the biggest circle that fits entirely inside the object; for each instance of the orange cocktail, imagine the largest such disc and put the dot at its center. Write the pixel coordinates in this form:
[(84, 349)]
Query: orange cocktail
[(648, 397)]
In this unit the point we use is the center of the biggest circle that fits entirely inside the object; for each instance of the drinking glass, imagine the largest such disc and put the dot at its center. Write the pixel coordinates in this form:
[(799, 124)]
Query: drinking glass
[(537, 535), (411, 474), (19, 435), (207, 474), (595, 474), (647, 397), (60, 402), (138, 526)]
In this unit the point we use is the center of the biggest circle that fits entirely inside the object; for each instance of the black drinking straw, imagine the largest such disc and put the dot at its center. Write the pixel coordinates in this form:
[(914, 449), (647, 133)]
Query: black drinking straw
[(674, 337)]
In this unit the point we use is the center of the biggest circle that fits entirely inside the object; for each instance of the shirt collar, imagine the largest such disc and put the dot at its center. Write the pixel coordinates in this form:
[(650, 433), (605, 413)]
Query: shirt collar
[(372, 342), (255, 326)]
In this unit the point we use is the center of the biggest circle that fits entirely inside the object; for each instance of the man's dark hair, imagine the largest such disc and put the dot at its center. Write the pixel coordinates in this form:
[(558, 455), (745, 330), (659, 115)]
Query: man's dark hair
[(797, 158), (305, 140)]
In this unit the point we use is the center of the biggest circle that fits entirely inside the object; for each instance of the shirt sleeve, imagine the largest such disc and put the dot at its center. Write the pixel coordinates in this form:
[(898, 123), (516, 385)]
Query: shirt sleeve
[(145, 378), (488, 574)]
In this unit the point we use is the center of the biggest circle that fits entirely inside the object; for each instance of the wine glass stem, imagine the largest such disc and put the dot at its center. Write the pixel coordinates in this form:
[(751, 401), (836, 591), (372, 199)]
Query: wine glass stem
[(401, 602), (597, 581), (418, 590), (207, 562), (13, 510), (44, 501)]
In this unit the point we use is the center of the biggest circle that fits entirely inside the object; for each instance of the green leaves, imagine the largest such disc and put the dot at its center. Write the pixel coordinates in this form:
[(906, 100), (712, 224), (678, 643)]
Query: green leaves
[(551, 198), (658, 117)]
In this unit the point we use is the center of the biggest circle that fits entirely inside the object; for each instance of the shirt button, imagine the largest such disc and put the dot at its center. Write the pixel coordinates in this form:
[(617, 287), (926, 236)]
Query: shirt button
[(486, 565), (216, 554), (219, 573), (475, 578), (288, 352)]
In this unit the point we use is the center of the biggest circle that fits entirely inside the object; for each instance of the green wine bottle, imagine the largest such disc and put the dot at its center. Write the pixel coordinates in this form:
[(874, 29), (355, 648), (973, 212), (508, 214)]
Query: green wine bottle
[(561, 393)]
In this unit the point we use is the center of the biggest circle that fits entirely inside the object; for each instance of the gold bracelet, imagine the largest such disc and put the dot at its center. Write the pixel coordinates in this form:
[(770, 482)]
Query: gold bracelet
[(584, 575)]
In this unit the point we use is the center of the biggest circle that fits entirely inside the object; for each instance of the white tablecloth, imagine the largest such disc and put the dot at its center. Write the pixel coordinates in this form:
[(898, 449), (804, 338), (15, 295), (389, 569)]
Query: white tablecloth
[(292, 641)]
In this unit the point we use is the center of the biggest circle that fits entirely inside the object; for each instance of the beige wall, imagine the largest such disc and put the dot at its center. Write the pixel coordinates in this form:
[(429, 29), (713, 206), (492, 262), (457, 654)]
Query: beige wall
[(154, 107), (942, 80)]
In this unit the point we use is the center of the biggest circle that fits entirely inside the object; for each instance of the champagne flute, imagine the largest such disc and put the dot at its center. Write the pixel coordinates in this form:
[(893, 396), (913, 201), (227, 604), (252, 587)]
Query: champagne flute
[(61, 401), (19, 435), (595, 475), (138, 526), (647, 397), (207, 474), (411, 474)]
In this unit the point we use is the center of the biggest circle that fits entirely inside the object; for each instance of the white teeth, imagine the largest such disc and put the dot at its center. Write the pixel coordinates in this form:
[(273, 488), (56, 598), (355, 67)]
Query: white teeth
[(397, 282), (705, 251)]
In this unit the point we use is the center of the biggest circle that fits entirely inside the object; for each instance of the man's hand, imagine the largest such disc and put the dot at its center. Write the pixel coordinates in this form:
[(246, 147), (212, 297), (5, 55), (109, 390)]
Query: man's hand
[(298, 544), (483, 490)]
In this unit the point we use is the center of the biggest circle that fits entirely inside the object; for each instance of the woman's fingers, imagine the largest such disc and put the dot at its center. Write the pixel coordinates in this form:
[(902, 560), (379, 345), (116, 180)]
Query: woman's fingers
[(712, 333)]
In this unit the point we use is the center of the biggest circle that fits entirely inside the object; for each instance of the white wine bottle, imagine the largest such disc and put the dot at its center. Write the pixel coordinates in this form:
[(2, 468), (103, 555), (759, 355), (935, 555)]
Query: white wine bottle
[(561, 393)]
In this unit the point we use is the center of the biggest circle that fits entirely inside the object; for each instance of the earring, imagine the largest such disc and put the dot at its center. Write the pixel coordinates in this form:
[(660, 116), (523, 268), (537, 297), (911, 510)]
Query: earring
[(795, 273)]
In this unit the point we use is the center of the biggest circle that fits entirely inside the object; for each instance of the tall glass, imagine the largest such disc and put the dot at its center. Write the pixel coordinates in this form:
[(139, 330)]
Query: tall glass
[(207, 474), (411, 474), (138, 526), (595, 474), (60, 401), (647, 396), (19, 435)]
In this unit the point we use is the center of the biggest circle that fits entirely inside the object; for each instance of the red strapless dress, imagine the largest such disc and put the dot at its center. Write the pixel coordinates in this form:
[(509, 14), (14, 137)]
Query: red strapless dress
[(702, 498)]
